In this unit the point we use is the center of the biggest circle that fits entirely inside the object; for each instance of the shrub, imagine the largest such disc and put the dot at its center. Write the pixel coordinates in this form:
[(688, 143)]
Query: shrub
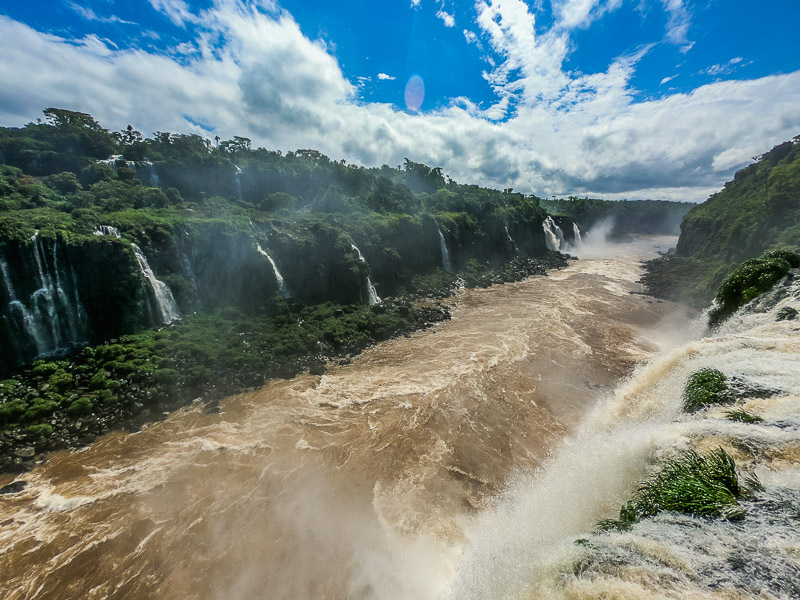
[(706, 386), (39, 408), (81, 406), (791, 257), (752, 278), (41, 431)]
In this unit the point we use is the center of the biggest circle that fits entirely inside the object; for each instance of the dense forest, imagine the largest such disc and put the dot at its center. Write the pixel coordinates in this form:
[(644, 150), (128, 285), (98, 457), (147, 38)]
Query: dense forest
[(758, 210)]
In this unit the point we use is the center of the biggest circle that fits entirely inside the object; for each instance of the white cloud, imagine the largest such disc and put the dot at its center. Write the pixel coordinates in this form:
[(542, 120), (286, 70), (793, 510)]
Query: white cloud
[(88, 14), (572, 14), (254, 73), (385, 77), (724, 68), (448, 19), (678, 24), (177, 11), (668, 79)]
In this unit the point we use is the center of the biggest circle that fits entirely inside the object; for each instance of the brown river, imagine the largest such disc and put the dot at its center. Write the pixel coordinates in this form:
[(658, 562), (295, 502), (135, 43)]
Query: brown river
[(357, 484)]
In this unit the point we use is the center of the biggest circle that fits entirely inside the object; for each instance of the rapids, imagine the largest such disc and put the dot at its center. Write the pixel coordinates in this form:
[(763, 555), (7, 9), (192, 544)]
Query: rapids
[(384, 478)]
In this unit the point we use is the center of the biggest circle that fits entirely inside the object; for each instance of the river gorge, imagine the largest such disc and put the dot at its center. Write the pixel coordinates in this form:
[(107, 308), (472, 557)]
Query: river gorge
[(366, 482)]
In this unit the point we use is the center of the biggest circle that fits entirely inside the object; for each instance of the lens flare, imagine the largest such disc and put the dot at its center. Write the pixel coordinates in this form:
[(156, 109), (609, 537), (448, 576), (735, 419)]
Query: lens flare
[(415, 93)]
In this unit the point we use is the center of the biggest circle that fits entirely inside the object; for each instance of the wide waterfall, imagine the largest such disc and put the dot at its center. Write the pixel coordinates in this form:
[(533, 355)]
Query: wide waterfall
[(282, 287), (446, 264), (553, 236), (372, 294), (165, 303), (51, 319)]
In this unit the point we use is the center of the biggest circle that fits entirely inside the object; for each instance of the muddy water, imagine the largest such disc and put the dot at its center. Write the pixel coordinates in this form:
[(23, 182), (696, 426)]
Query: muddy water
[(356, 484)]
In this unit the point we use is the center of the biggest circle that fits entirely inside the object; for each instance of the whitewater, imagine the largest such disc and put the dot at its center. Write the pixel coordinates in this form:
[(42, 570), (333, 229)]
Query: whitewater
[(460, 462)]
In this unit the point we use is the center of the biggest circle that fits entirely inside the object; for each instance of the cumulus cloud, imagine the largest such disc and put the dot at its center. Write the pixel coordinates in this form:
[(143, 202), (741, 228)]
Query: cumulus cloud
[(385, 77), (448, 19), (252, 72)]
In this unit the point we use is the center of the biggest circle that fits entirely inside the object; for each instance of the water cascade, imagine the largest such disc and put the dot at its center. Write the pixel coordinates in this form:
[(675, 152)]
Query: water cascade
[(553, 236), (540, 540), (282, 287), (372, 294), (576, 231), (52, 319), (447, 265), (167, 307), (238, 180), (107, 230), (146, 172)]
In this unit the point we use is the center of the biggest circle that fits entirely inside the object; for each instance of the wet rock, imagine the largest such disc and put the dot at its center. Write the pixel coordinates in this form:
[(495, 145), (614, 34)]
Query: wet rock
[(25, 452), (13, 488), (317, 368), (787, 313)]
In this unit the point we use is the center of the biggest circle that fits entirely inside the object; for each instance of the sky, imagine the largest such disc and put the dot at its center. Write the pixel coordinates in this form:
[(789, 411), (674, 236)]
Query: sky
[(620, 99)]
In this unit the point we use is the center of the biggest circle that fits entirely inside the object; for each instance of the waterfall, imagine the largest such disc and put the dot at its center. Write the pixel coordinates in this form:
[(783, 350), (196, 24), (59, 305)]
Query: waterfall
[(149, 172), (553, 236), (282, 287), (372, 294), (111, 161), (446, 264), (576, 231), (238, 179), (51, 320), (107, 230), (167, 307)]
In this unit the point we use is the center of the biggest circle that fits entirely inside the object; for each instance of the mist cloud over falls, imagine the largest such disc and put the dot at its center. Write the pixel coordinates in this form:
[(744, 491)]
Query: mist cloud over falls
[(251, 71)]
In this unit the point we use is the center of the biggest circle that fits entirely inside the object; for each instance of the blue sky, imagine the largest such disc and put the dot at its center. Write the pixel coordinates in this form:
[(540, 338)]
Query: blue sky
[(612, 98)]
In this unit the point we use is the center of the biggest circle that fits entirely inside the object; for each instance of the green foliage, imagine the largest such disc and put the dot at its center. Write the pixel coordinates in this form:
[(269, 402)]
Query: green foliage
[(701, 485), (758, 210), (695, 484), (43, 430), (750, 279), (704, 387), (80, 407), (742, 416)]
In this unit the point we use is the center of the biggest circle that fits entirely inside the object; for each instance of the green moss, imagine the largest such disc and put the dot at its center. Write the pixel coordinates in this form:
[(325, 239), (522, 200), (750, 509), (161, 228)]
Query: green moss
[(706, 386)]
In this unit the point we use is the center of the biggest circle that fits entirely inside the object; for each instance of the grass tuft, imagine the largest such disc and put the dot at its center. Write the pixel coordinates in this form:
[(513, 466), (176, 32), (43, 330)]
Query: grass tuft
[(742, 416), (701, 485), (704, 387)]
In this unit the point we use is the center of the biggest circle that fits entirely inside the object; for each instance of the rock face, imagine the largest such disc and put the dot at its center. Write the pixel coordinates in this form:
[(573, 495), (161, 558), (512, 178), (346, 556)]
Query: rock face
[(61, 291)]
